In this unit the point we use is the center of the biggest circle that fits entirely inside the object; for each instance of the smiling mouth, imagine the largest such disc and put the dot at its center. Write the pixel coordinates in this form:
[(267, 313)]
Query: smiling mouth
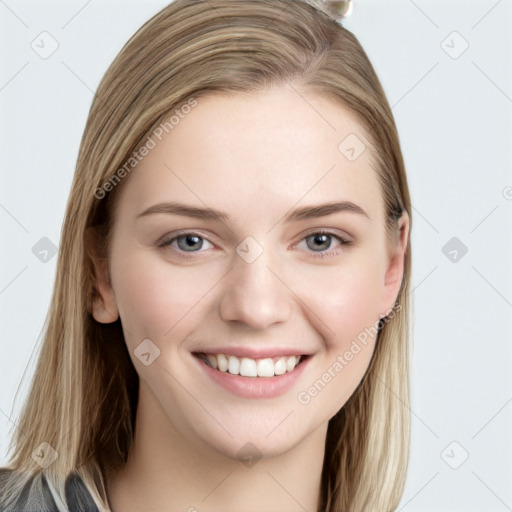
[(247, 367)]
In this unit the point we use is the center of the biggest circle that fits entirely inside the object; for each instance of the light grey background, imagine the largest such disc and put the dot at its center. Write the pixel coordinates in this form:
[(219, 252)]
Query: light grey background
[(454, 114)]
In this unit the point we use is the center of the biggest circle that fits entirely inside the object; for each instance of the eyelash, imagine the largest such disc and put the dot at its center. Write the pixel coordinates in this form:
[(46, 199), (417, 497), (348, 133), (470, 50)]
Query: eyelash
[(343, 242)]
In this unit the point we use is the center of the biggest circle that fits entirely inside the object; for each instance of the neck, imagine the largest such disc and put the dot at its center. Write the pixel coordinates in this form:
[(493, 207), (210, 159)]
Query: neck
[(167, 471)]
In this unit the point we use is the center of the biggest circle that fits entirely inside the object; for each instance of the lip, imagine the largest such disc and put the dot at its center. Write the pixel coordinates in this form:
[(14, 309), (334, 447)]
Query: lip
[(260, 353), (254, 387)]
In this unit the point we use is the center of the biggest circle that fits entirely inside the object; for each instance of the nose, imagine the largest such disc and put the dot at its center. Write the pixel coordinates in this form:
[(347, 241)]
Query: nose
[(253, 295)]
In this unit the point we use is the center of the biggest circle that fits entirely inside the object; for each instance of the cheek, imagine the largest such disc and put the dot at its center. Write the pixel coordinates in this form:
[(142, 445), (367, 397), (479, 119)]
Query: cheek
[(342, 300), (155, 297), (343, 306)]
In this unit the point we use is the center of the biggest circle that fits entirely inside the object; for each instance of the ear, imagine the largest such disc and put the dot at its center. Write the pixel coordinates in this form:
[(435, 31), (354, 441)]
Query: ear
[(104, 305), (395, 267)]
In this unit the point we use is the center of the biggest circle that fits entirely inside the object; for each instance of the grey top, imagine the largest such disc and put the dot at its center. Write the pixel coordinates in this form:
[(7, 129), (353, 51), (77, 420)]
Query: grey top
[(36, 495)]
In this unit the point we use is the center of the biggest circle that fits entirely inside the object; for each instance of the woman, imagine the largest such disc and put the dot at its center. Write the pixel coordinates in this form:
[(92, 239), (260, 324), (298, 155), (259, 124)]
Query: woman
[(229, 325)]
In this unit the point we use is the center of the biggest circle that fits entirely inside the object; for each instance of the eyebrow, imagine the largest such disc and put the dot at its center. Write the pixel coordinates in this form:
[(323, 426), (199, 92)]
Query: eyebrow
[(304, 213)]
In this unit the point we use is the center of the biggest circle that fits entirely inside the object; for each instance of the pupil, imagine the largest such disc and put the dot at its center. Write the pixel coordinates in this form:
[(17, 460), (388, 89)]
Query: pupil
[(321, 240), (189, 242)]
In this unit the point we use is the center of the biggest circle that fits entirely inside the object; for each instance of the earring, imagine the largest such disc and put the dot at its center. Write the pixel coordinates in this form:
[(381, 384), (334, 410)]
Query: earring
[(338, 9)]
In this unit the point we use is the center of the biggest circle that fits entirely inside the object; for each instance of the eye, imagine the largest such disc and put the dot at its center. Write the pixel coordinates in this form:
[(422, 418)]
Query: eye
[(318, 242), (322, 241), (186, 242)]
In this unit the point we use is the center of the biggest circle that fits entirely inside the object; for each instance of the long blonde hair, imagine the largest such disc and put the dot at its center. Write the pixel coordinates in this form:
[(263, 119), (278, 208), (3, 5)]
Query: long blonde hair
[(83, 395)]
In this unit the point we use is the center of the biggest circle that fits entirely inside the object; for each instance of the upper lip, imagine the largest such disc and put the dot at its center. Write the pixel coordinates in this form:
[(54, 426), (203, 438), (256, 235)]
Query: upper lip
[(254, 353)]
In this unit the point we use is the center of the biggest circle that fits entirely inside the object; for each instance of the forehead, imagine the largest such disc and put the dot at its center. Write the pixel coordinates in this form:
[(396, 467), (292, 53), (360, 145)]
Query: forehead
[(256, 152)]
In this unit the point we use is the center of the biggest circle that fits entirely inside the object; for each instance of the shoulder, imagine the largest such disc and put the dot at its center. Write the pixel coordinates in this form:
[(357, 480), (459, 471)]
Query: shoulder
[(22, 492), (77, 495)]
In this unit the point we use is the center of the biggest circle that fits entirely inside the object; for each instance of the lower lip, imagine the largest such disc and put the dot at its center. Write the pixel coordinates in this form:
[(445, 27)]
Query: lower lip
[(255, 387)]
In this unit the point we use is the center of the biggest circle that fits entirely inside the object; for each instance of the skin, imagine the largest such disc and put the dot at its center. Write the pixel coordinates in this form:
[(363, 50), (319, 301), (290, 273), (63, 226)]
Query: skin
[(256, 157)]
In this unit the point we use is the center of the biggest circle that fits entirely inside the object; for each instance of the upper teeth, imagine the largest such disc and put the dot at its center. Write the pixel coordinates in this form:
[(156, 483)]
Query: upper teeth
[(248, 367)]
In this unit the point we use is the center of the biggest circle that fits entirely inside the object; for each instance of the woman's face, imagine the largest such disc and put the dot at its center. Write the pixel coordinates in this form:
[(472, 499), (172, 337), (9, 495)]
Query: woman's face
[(254, 229)]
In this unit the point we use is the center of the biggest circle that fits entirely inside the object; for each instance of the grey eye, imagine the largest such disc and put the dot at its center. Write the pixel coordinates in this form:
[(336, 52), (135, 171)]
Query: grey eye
[(189, 243), (319, 242)]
